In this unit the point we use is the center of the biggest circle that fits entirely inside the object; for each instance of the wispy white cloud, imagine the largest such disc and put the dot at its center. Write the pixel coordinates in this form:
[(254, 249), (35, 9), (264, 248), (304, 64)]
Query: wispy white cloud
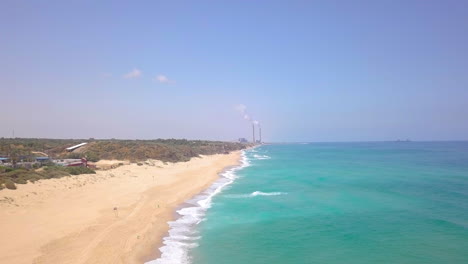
[(135, 73), (162, 79)]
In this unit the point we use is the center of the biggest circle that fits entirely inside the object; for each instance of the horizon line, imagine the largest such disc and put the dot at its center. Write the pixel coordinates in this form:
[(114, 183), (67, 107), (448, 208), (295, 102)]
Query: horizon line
[(267, 142)]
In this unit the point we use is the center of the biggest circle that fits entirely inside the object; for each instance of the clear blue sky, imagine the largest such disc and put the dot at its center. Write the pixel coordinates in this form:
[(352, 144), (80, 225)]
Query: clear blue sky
[(307, 70)]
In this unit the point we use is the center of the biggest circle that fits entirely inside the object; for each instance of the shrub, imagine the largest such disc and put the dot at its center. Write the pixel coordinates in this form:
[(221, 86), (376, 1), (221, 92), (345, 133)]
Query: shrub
[(35, 177), (73, 171), (21, 181), (92, 156), (79, 170), (54, 172), (10, 185), (74, 156)]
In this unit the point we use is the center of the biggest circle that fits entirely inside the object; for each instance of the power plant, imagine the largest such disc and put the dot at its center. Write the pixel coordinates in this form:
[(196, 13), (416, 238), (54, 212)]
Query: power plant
[(259, 132), (241, 109)]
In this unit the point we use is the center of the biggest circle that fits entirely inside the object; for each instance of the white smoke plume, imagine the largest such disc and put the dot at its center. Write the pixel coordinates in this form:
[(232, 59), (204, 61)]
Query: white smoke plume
[(242, 109)]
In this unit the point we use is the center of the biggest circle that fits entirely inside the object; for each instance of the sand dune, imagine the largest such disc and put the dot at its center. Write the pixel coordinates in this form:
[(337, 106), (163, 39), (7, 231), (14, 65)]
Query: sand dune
[(72, 219)]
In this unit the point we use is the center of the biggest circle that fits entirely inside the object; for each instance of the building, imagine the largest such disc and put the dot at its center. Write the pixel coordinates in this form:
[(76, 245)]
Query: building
[(42, 160), (76, 146), (72, 162), (243, 140)]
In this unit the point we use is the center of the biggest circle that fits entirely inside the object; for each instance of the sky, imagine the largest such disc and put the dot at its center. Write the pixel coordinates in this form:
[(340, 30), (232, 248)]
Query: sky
[(305, 70)]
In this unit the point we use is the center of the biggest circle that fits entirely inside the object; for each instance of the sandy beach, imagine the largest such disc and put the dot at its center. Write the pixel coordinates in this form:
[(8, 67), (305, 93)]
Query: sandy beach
[(118, 215)]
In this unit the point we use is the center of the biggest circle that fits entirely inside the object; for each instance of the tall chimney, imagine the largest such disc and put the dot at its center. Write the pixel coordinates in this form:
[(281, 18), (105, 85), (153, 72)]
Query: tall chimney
[(260, 130), (253, 132)]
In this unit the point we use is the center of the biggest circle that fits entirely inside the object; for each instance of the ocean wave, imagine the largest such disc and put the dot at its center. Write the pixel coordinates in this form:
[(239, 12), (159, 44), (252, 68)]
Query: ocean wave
[(182, 232), (257, 193), (261, 157), (254, 194)]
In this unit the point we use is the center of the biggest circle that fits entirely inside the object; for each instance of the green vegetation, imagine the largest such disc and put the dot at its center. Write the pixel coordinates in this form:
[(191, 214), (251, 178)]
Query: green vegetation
[(9, 177), (168, 150), (79, 170), (91, 156), (10, 185), (22, 148)]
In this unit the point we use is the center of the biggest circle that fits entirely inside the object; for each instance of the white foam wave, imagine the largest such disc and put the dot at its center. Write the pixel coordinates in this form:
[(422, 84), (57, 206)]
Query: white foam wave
[(261, 157), (257, 193), (182, 233), (254, 194)]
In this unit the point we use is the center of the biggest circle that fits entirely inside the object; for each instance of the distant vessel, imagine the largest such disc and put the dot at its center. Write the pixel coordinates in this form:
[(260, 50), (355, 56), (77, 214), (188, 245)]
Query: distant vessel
[(403, 140)]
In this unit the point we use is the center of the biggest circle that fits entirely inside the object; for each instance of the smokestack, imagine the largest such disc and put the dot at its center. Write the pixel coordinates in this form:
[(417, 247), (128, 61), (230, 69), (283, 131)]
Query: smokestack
[(253, 132), (260, 130)]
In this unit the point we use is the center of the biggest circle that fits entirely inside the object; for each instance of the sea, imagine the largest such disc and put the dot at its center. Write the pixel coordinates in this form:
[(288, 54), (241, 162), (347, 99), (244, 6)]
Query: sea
[(367, 202)]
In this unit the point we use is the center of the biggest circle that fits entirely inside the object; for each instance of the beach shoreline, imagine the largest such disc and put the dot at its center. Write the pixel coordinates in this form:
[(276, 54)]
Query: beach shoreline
[(115, 216), (156, 253), (183, 233)]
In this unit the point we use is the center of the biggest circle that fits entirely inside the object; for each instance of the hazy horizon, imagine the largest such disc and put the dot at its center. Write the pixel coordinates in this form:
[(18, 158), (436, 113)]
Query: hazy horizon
[(265, 142), (322, 71)]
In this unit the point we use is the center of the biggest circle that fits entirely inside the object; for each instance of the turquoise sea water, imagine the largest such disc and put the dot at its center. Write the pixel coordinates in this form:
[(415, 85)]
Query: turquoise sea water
[(393, 202)]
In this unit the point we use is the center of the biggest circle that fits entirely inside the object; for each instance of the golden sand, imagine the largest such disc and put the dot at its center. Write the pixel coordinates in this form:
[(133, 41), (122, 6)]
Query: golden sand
[(115, 216)]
